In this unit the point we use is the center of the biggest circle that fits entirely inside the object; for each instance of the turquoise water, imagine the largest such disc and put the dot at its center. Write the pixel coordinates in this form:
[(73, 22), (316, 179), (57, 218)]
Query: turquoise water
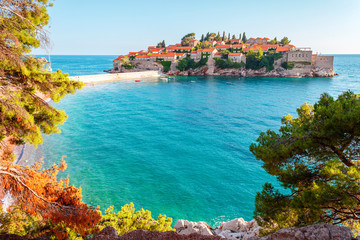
[(77, 65), (180, 148)]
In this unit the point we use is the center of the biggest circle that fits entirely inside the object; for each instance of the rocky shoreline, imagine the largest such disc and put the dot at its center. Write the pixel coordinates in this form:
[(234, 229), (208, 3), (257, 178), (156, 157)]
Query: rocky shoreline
[(236, 229), (210, 69)]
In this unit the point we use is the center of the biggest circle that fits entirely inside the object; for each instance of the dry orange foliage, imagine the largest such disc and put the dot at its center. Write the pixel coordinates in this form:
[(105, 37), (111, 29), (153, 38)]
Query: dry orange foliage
[(42, 195)]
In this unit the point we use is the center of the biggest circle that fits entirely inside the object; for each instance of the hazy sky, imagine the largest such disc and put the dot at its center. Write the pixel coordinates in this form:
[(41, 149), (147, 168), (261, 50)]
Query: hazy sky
[(116, 27)]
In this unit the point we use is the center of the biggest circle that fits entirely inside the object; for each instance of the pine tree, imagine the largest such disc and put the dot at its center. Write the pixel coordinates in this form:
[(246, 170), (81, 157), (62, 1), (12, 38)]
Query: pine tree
[(24, 115), (315, 158), (233, 37)]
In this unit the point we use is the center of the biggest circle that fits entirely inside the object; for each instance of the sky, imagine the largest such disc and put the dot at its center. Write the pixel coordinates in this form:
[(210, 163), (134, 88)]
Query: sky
[(115, 27)]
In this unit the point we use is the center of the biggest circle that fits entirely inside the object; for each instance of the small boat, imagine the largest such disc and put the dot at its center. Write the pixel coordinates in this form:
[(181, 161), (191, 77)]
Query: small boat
[(137, 80), (192, 81)]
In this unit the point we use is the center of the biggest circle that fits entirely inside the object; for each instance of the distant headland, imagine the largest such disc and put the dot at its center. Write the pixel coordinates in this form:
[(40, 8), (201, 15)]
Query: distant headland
[(215, 55)]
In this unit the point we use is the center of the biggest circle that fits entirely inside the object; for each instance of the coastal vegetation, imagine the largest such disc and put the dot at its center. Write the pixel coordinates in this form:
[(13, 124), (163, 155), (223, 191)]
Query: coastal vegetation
[(287, 66), (166, 65), (127, 220), (187, 63), (37, 202), (315, 157), (227, 63), (257, 60)]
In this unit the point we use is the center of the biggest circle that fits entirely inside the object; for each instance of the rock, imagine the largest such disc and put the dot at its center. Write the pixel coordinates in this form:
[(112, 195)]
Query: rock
[(154, 235), (236, 225), (179, 224), (107, 233), (313, 232), (185, 227)]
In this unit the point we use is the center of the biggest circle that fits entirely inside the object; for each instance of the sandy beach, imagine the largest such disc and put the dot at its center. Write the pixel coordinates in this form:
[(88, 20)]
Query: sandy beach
[(115, 76)]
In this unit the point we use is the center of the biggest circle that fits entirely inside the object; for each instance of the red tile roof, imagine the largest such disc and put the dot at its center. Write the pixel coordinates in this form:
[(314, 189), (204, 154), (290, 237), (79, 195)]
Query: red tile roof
[(193, 52), (238, 45), (235, 40), (156, 49), (151, 47), (283, 49), (171, 54), (208, 50), (224, 46), (266, 45), (118, 58), (180, 48), (142, 56), (132, 53), (235, 54)]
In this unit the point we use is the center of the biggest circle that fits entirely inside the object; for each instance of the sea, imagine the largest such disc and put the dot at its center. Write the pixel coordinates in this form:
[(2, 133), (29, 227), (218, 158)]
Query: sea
[(177, 147)]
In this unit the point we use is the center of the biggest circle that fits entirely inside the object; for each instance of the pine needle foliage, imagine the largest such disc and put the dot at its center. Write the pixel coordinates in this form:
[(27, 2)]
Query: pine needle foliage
[(315, 157), (24, 80)]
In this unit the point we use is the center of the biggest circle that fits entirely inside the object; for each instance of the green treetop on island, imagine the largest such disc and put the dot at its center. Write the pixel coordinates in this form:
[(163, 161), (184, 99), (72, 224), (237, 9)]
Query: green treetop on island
[(316, 159)]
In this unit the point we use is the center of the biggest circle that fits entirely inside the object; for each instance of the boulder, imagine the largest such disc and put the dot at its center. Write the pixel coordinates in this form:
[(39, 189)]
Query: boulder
[(236, 225), (312, 232), (185, 227)]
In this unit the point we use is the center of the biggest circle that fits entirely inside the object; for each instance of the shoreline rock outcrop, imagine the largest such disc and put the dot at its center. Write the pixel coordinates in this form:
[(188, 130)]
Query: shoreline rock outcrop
[(238, 229)]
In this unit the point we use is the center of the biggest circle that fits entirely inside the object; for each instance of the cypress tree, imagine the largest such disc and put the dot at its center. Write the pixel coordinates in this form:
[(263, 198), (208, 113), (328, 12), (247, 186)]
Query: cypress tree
[(202, 38), (223, 38), (229, 36), (244, 39), (233, 36)]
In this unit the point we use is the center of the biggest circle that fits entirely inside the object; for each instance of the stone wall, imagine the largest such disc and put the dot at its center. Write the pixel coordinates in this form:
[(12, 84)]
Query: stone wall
[(146, 65), (299, 56), (324, 62)]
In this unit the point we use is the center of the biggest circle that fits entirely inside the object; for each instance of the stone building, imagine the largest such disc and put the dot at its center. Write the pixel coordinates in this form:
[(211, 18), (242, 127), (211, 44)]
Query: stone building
[(299, 56), (237, 57), (193, 43), (208, 52), (251, 41), (324, 62)]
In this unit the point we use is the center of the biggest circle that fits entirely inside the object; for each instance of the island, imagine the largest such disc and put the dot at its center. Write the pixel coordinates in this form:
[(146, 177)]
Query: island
[(215, 55)]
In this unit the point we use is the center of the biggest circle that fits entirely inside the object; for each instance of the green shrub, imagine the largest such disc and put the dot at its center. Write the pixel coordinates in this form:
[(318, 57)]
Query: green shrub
[(287, 66), (187, 63), (228, 63), (129, 66), (166, 65), (127, 220)]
